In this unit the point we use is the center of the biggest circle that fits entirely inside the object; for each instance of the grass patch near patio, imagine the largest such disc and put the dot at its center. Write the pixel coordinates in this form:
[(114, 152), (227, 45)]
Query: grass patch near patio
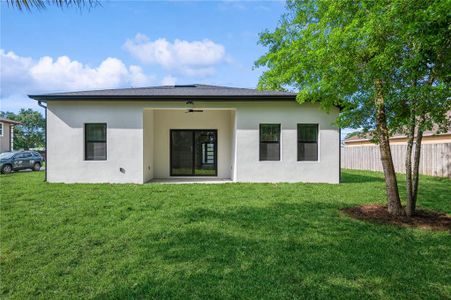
[(249, 241)]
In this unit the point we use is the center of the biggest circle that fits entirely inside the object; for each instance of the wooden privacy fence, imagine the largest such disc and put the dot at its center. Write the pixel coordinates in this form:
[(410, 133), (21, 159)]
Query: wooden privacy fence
[(435, 158)]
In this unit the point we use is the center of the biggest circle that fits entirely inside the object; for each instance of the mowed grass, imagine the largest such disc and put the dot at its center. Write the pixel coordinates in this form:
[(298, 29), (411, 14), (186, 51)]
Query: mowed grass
[(227, 241)]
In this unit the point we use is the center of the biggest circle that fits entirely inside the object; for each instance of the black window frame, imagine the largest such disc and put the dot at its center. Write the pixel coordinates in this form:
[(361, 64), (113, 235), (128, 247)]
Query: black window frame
[(3, 128), (192, 174), (308, 142), (268, 142), (95, 141)]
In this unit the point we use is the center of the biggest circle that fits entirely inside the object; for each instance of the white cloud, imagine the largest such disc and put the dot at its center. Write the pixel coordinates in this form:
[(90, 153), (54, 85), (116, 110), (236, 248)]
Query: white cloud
[(22, 75), (195, 58), (138, 77), (168, 80), (66, 74), (14, 73)]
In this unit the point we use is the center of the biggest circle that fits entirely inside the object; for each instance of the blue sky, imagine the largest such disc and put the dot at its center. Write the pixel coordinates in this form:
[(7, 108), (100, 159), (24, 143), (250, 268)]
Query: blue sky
[(131, 43)]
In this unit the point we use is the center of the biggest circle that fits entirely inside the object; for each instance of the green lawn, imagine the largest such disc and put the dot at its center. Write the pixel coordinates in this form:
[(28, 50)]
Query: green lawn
[(216, 241)]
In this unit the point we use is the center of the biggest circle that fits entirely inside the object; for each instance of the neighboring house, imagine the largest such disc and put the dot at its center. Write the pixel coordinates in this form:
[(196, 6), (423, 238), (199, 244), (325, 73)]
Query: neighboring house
[(433, 136), (138, 134), (429, 137), (6, 134)]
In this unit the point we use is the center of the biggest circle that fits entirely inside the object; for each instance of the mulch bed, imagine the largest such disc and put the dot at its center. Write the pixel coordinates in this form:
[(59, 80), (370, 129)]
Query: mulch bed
[(379, 214)]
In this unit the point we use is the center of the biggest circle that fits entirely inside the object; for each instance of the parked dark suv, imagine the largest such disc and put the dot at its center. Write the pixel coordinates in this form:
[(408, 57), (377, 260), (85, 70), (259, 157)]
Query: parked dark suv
[(20, 160)]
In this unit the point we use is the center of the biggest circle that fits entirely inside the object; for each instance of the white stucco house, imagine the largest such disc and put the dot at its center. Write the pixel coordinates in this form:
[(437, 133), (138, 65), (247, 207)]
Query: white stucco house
[(200, 132)]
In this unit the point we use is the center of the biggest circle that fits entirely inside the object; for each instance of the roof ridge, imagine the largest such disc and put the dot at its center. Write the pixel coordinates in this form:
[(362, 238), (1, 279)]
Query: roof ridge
[(192, 90), (196, 85)]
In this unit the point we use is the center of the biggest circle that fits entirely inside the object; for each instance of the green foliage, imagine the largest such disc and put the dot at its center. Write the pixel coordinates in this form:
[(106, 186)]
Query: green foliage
[(421, 85), (31, 133), (353, 133), (207, 241), (333, 51)]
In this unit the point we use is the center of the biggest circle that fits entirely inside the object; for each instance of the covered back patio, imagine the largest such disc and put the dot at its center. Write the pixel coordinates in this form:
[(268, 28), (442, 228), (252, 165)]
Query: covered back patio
[(185, 145)]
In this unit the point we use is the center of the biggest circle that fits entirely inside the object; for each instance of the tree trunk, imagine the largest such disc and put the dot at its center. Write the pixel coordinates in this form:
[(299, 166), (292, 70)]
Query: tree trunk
[(391, 184), (409, 183), (416, 168)]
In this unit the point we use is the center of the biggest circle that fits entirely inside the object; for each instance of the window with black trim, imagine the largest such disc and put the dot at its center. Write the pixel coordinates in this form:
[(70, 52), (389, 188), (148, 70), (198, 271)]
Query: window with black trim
[(269, 141), (95, 141), (1, 129), (307, 142)]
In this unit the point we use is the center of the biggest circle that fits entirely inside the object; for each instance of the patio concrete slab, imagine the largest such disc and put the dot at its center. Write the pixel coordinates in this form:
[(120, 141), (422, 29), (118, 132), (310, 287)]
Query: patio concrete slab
[(190, 180)]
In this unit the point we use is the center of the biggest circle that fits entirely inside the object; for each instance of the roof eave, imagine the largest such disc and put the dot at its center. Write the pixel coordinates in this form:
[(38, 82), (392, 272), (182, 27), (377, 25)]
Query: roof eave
[(11, 122), (46, 98)]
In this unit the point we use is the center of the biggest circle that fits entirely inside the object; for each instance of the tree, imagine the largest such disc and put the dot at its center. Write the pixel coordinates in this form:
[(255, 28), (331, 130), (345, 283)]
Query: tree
[(357, 54), (422, 87), (31, 133), (41, 4)]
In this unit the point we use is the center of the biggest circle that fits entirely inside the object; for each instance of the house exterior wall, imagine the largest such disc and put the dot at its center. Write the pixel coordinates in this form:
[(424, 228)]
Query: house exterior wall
[(138, 140), (5, 138), (288, 169), (65, 161), (148, 144), (233, 151)]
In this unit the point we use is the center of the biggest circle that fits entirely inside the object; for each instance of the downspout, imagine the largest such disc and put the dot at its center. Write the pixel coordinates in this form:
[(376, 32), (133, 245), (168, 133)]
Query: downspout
[(45, 139)]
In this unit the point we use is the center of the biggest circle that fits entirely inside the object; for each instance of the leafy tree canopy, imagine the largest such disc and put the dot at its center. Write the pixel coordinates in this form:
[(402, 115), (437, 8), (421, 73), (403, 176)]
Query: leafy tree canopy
[(385, 62), (333, 51)]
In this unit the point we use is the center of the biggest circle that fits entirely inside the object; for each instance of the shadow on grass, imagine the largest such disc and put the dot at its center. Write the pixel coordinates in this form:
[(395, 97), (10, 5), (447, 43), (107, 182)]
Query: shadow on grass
[(287, 251), (349, 177), (433, 192)]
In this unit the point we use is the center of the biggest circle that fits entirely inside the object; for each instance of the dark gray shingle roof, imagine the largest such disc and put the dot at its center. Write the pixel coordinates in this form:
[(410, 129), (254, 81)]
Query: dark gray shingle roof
[(171, 92)]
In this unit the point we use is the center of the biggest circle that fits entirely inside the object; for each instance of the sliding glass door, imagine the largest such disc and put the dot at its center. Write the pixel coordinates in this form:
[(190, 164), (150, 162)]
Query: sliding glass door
[(181, 152), (193, 152)]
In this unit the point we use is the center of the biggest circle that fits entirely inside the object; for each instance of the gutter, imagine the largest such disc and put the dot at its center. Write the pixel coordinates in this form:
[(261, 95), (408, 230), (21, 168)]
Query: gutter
[(163, 97), (45, 139), (201, 98)]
